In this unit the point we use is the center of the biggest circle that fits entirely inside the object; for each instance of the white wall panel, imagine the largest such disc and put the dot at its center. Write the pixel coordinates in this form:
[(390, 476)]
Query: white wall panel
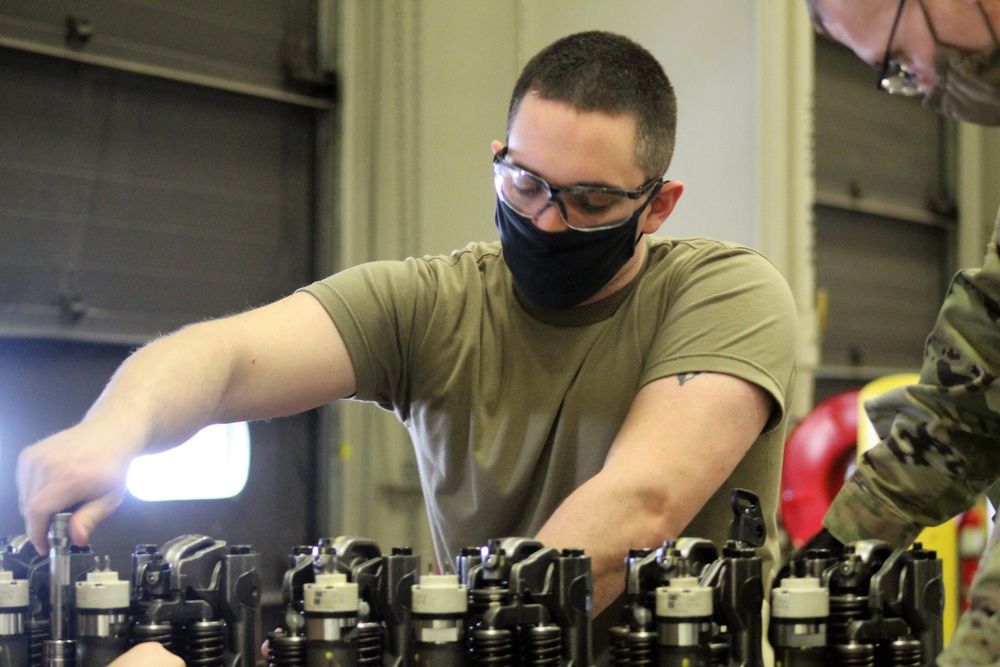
[(707, 49)]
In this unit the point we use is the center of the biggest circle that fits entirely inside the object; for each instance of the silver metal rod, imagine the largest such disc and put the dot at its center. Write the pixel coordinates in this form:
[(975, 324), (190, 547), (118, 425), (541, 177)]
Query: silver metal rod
[(59, 573)]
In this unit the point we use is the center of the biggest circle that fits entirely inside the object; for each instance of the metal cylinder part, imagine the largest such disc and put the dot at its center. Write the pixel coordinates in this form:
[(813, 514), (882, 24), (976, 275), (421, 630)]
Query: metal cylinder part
[(683, 622), (331, 616), (102, 605), (59, 569), (59, 653), (683, 612), (800, 610), (331, 607), (371, 642), (492, 647), (439, 606), (287, 650), (206, 643), (853, 654), (541, 645), (905, 653), (14, 600)]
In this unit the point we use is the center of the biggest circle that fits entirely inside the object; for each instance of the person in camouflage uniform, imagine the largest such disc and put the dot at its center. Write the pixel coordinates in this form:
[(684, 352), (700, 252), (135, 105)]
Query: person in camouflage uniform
[(941, 437)]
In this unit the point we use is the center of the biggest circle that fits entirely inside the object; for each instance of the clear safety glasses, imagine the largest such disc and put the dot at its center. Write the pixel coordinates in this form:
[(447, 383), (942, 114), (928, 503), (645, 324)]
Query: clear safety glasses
[(582, 207)]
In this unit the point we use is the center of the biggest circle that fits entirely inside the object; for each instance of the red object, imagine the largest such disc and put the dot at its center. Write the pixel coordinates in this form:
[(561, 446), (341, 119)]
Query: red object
[(819, 454), (972, 537)]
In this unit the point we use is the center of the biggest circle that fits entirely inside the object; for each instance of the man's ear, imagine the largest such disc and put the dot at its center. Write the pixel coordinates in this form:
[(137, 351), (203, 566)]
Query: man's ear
[(496, 145), (662, 206)]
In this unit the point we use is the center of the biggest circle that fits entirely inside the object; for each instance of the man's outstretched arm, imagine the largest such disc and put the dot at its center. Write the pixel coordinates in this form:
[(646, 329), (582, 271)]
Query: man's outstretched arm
[(276, 360)]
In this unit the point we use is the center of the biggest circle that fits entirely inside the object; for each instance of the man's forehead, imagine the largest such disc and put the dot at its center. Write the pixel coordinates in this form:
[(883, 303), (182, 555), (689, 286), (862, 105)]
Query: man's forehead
[(573, 146)]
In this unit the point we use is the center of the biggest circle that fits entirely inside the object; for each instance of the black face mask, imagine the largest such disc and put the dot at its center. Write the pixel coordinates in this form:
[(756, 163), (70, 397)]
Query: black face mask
[(966, 85), (561, 269)]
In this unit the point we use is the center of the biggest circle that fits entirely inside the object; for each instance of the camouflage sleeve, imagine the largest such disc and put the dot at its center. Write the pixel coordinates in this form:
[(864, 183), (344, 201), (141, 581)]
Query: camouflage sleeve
[(943, 449)]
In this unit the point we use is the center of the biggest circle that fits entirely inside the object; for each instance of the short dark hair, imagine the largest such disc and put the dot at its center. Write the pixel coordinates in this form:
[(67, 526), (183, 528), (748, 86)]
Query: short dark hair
[(601, 71)]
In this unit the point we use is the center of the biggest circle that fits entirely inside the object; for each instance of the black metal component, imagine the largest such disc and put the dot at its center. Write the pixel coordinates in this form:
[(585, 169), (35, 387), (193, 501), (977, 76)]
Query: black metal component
[(737, 581), (371, 644), (206, 643), (195, 578), (79, 31), (520, 584), (748, 524), (905, 600), (492, 647), (386, 584), (287, 651)]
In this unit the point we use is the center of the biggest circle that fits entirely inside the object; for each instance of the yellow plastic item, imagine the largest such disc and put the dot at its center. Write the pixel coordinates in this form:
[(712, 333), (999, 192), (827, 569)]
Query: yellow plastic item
[(944, 538)]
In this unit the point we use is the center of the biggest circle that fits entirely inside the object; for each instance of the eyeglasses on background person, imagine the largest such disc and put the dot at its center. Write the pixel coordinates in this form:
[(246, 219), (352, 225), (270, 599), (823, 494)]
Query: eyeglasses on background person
[(893, 76), (896, 78)]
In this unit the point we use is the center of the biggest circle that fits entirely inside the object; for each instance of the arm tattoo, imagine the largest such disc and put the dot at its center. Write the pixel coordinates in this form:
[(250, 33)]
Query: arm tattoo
[(686, 377)]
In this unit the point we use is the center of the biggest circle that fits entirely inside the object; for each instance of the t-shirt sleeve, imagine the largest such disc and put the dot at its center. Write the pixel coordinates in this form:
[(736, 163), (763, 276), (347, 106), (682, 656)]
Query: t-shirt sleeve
[(375, 306), (729, 311)]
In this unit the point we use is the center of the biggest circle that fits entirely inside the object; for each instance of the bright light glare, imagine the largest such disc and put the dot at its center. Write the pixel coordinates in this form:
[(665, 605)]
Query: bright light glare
[(212, 464)]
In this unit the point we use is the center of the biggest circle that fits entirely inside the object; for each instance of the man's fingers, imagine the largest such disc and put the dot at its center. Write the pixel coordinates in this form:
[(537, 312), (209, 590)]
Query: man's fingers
[(80, 528), (62, 498), (87, 516), (38, 514), (37, 533)]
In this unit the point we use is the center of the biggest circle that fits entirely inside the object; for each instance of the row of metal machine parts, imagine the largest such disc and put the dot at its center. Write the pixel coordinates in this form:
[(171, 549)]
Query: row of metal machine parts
[(512, 601)]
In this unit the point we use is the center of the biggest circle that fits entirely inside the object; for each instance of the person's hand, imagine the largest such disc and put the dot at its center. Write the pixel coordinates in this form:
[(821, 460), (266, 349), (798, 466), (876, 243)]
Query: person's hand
[(148, 654), (824, 539), (81, 469)]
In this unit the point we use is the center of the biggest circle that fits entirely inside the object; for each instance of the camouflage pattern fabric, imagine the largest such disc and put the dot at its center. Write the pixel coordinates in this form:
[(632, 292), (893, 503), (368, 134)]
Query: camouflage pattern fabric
[(977, 638), (941, 451)]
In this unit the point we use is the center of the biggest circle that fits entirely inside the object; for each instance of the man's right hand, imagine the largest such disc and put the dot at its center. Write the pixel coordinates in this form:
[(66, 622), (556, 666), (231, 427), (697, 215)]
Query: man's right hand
[(78, 470), (272, 361)]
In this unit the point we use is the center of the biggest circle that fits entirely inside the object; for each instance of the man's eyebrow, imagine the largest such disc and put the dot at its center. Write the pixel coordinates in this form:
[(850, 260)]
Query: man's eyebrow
[(584, 184)]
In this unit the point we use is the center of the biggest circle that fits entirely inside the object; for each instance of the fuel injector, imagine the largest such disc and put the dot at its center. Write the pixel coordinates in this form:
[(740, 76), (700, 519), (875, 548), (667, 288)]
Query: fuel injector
[(848, 582), (668, 612), (14, 600), (331, 618), (440, 602), (102, 616), (684, 609), (800, 611)]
